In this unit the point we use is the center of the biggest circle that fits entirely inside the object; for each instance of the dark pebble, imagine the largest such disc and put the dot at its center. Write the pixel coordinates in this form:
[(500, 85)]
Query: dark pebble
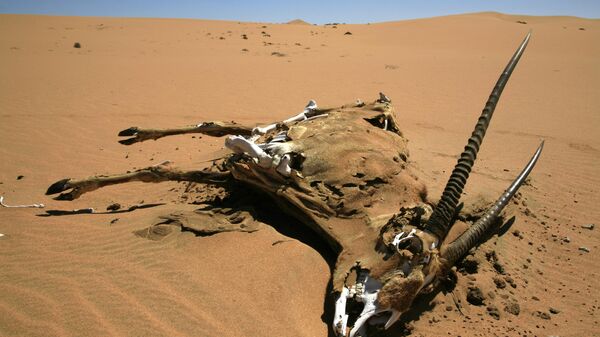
[(493, 311), (513, 308), (113, 207), (542, 315), (470, 265), (500, 283), (475, 296)]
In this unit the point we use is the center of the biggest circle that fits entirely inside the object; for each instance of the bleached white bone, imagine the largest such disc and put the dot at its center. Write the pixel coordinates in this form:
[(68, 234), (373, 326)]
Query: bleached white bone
[(276, 149), (317, 116), (399, 238), (239, 144), (264, 129), (369, 298), (280, 137), (284, 166), (312, 105), (340, 318), (365, 291), (383, 98), (19, 206)]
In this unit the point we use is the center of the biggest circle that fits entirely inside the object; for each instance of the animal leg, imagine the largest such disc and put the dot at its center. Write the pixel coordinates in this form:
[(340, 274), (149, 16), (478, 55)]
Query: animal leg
[(215, 129), (153, 174)]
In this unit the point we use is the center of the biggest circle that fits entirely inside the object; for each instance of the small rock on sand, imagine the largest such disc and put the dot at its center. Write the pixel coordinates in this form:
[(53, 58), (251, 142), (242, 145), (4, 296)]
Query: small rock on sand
[(77, 45), (542, 314), (589, 226), (500, 283), (584, 249), (113, 207), (470, 265), (475, 296), (513, 308), (493, 311)]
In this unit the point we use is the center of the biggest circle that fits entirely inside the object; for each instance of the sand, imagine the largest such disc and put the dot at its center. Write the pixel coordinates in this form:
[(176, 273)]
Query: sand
[(88, 275)]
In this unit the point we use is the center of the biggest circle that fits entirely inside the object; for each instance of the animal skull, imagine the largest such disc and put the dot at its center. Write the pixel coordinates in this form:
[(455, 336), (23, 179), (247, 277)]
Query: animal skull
[(343, 172)]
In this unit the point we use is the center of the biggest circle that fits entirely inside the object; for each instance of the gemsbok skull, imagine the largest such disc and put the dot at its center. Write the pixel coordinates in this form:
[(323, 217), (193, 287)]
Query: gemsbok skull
[(343, 173)]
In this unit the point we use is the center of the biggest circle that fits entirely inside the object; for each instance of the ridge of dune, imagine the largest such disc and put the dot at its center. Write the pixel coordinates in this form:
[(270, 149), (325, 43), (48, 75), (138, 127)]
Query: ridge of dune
[(298, 22)]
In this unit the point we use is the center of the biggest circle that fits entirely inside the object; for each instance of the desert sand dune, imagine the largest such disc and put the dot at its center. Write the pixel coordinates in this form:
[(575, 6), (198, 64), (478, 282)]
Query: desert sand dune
[(88, 275)]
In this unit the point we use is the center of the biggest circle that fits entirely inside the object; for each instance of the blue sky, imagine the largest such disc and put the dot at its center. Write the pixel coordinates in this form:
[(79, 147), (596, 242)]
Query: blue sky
[(313, 11)]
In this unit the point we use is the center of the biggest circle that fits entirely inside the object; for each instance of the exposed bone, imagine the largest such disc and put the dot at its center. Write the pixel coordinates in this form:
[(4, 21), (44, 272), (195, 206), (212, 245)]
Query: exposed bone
[(19, 206), (369, 298), (311, 106), (340, 318), (383, 98), (241, 145), (400, 237), (281, 137), (365, 291), (284, 166)]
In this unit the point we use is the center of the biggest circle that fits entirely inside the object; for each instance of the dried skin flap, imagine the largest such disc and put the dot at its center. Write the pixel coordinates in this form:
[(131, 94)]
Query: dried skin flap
[(203, 222)]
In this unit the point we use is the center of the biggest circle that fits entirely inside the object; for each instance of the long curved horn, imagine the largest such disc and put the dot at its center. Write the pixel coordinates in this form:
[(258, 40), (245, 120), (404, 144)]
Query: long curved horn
[(472, 236), (439, 222)]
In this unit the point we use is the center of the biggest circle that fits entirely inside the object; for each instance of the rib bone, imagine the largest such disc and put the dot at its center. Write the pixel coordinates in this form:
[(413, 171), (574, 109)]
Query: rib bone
[(19, 206)]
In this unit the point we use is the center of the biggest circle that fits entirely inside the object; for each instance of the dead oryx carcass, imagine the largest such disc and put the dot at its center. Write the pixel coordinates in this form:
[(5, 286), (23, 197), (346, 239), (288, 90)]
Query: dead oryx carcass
[(343, 172)]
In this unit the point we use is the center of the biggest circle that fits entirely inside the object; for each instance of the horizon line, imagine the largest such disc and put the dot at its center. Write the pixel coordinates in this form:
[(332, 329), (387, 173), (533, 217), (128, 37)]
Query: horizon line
[(299, 18)]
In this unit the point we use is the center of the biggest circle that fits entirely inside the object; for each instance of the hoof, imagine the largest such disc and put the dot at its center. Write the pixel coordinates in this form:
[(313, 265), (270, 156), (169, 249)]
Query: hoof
[(65, 196), (58, 186), (129, 141), (132, 131)]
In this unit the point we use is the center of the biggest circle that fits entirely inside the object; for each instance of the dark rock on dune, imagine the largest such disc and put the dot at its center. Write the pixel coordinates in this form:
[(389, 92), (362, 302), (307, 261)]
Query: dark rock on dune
[(113, 207), (493, 311), (475, 296), (500, 283), (513, 308)]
